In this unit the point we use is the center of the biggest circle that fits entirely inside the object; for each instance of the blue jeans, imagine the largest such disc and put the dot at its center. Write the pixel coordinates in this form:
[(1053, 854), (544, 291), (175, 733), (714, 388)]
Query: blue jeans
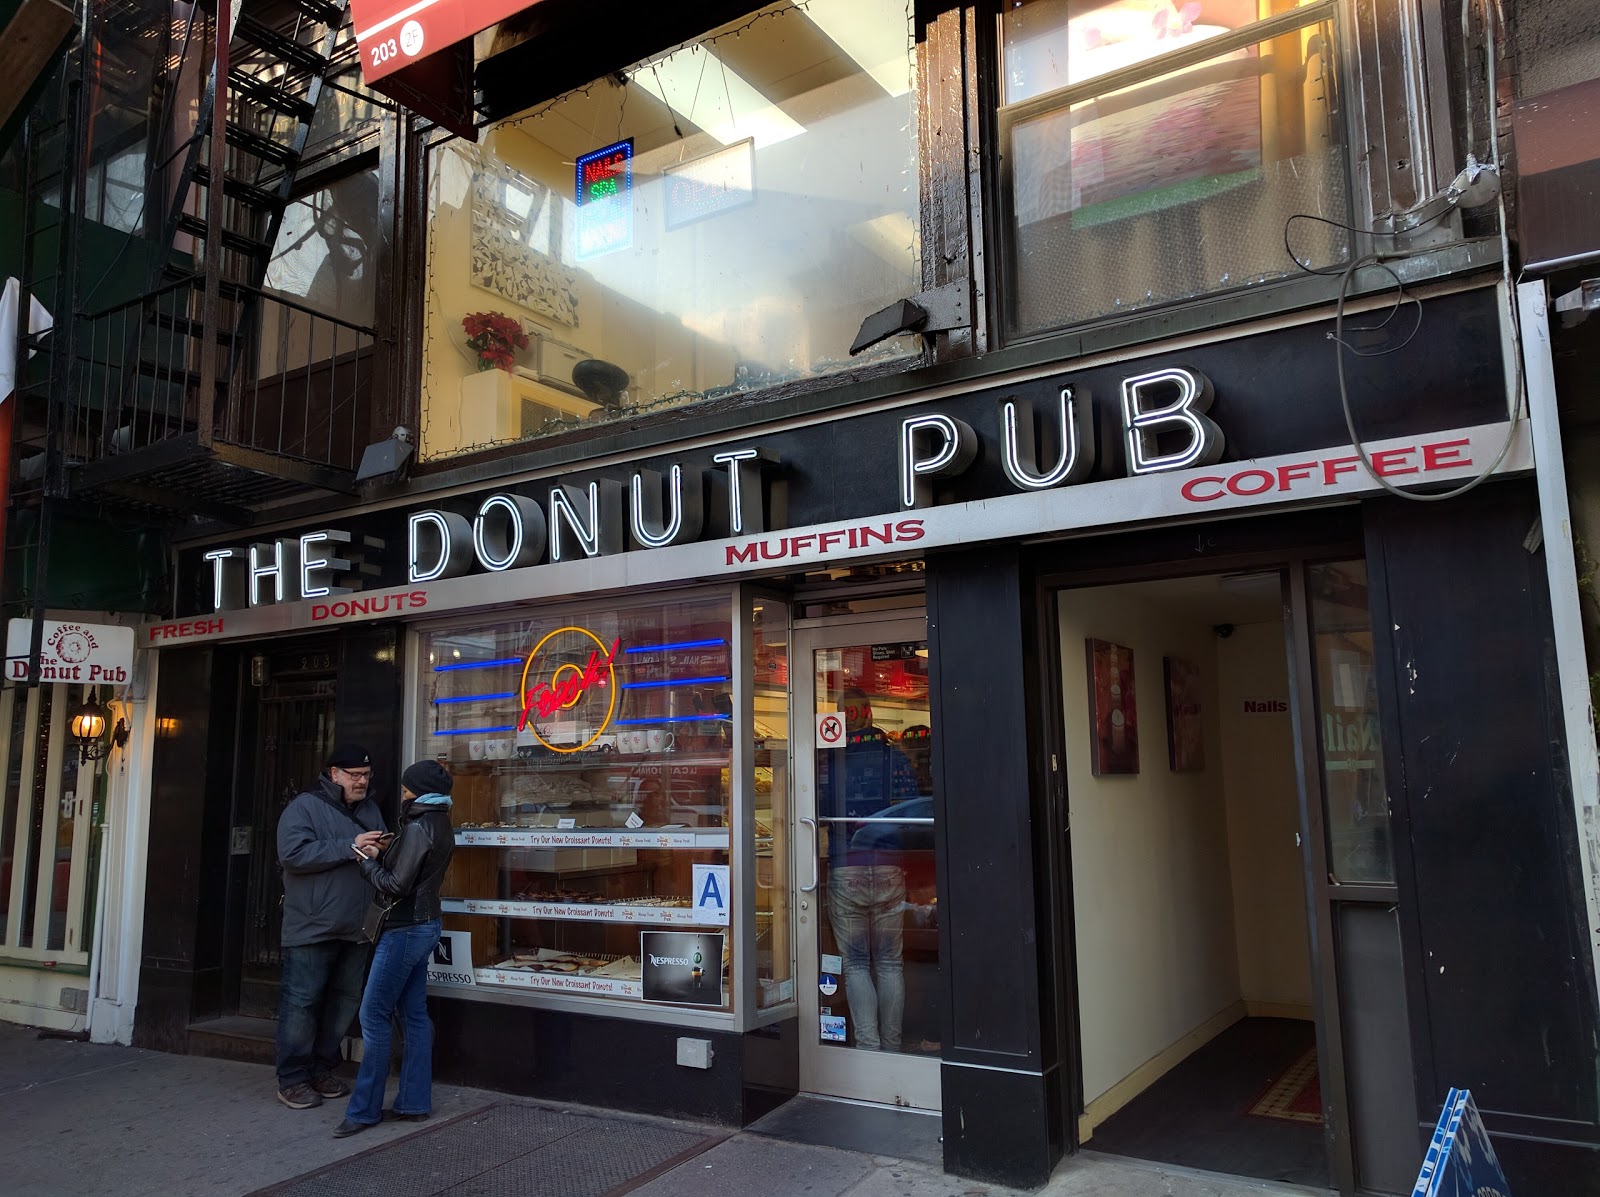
[(397, 985), (866, 905), (319, 990)]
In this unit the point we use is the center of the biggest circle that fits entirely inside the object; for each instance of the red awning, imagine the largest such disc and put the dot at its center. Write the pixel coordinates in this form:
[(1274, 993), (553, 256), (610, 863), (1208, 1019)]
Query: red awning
[(395, 33)]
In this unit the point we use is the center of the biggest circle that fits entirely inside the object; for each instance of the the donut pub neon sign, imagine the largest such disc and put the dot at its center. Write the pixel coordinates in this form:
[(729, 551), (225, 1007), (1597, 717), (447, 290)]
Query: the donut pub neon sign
[(568, 684)]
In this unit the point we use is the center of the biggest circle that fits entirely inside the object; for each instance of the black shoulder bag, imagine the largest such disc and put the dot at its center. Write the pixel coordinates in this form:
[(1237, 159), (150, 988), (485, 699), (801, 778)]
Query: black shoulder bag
[(372, 926)]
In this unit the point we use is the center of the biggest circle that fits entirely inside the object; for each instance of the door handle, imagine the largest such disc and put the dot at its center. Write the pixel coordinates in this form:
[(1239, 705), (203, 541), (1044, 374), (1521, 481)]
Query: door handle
[(815, 845)]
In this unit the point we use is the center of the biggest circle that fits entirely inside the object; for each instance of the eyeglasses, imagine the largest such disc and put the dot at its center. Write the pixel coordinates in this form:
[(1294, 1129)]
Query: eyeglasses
[(357, 774)]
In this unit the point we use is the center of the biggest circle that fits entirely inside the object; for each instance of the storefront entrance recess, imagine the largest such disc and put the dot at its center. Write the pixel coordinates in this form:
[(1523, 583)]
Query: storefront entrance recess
[(865, 900), (1240, 996)]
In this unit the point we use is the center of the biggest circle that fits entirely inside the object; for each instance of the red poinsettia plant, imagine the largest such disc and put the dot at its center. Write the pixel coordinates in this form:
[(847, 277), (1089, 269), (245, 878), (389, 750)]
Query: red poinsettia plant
[(495, 338)]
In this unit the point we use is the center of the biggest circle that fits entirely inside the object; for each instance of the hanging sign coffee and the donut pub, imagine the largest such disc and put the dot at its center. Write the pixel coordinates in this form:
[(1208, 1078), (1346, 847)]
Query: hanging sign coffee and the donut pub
[(1041, 457)]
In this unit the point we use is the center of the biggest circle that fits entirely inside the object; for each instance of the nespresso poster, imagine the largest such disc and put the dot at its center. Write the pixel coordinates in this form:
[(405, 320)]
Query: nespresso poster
[(682, 967)]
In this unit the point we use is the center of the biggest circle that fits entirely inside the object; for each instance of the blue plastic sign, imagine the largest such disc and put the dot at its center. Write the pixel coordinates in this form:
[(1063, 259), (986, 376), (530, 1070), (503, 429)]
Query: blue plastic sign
[(833, 1028), (1460, 1160), (829, 984)]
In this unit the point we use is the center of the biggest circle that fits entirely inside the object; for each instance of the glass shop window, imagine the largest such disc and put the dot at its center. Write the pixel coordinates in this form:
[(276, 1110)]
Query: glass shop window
[(711, 222), (1155, 151), (311, 390), (52, 817), (592, 752), (1360, 838)]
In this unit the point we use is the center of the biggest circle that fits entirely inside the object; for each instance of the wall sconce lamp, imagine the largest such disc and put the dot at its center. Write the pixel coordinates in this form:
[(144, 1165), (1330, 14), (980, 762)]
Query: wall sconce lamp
[(386, 460), (939, 310), (88, 726)]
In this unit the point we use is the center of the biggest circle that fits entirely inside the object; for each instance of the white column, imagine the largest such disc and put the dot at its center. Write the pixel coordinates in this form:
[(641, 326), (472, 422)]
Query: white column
[(119, 925), (1561, 565)]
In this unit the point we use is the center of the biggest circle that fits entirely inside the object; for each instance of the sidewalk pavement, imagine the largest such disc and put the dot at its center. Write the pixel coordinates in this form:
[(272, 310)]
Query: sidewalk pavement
[(88, 1120)]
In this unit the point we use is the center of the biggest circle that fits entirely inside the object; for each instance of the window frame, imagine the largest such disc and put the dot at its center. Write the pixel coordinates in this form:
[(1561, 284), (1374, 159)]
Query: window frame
[(30, 839), (941, 161), (1008, 116)]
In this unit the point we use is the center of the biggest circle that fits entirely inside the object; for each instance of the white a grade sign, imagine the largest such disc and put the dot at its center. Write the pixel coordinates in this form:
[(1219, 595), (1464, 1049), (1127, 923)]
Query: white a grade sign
[(95, 653)]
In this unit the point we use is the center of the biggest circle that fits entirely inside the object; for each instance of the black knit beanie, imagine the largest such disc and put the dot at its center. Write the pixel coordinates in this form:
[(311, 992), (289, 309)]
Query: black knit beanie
[(427, 777)]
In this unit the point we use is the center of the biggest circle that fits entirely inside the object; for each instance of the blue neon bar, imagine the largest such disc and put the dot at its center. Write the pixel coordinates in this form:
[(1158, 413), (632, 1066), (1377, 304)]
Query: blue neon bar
[(474, 731), (670, 719), (475, 698), (680, 681), (478, 664), (667, 648)]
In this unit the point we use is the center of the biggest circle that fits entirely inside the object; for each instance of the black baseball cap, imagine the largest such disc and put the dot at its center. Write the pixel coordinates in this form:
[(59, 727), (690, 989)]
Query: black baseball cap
[(349, 756)]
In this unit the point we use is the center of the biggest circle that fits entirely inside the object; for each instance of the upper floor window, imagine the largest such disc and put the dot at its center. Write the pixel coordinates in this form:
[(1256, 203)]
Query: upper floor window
[(713, 221), (1154, 150)]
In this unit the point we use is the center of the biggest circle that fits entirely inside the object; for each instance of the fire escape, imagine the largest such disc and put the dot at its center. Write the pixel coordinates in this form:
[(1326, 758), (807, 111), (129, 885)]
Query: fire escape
[(208, 392)]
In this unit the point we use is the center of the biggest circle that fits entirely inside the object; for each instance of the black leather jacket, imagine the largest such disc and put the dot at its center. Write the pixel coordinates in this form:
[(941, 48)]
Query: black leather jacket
[(413, 867)]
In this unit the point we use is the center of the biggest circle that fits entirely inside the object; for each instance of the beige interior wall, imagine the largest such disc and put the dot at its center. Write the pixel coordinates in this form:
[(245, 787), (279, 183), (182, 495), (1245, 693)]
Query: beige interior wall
[(451, 293), (1263, 824), (1152, 890)]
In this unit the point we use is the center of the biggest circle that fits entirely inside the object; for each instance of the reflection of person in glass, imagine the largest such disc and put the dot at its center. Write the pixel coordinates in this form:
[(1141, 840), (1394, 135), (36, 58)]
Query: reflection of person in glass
[(866, 883)]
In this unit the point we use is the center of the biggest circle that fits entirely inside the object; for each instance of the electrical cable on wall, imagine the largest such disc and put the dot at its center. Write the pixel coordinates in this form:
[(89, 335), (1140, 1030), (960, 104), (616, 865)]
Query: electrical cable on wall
[(1382, 258)]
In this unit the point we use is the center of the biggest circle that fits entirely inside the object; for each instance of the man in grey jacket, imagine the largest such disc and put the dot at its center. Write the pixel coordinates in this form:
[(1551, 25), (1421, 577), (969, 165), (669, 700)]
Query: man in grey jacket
[(322, 835)]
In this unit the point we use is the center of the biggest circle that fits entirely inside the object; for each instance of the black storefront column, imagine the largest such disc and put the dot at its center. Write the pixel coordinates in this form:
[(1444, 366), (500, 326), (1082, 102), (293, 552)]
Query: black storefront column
[(1500, 988), (369, 705), (1003, 1086)]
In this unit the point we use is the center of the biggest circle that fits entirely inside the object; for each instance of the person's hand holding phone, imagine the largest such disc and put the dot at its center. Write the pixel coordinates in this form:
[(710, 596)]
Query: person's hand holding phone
[(369, 843)]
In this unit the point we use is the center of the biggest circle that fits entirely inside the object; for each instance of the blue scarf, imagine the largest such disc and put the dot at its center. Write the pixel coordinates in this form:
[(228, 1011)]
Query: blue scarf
[(432, 800)]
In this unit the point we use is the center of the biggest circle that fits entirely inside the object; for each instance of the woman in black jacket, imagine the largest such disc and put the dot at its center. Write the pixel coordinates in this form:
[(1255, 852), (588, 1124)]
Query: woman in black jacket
[(408, 873)]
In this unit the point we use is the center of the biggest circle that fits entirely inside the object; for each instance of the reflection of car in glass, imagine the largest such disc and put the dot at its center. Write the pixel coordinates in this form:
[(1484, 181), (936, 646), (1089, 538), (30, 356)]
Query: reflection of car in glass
[(898, 837), (910, 847)]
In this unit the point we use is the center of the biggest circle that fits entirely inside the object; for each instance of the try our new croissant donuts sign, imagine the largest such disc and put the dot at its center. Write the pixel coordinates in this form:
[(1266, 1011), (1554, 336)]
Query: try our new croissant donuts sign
[(395, 33)]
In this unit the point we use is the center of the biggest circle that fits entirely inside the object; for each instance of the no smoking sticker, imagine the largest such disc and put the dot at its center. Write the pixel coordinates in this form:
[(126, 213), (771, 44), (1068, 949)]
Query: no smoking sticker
[(830, 729)]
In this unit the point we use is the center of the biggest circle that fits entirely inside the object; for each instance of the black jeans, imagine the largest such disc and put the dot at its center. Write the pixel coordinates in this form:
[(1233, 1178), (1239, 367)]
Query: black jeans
[(319, 996)]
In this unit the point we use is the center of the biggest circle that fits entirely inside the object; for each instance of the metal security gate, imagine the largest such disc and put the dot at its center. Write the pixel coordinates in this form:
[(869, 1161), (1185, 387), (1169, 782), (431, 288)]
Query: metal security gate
[(293, 735)]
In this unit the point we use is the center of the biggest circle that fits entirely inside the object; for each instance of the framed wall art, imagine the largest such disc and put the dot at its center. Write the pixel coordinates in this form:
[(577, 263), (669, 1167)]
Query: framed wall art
[(517, 227), (1113, 710), (1186, 734)]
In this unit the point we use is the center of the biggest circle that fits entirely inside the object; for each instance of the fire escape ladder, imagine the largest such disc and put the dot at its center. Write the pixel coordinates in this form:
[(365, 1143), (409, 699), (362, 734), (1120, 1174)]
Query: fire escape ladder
[(186, 343)]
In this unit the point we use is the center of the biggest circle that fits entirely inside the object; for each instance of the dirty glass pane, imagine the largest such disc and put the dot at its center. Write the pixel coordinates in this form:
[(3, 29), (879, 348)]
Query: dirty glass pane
[(1359, 846), (1169, 183)]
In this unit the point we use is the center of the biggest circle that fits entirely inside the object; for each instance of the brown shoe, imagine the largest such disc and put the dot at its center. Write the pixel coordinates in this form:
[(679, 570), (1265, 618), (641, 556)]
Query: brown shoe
[(300, 1097), (330, 1086)]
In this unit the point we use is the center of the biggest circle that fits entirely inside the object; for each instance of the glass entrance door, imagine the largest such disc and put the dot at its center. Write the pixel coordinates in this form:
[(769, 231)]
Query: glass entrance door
[(866, 901)]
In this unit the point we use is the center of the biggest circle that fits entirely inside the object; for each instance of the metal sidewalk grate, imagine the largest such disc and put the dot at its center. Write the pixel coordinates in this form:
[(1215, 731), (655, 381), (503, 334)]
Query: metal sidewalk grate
[(508, 1150)]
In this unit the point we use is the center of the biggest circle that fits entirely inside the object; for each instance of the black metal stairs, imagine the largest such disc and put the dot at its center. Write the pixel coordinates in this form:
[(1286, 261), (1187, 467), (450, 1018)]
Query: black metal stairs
[(160, 438)]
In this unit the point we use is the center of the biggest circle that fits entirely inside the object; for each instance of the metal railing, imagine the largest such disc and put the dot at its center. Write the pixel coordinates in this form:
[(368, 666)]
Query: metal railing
[(293, 381)]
